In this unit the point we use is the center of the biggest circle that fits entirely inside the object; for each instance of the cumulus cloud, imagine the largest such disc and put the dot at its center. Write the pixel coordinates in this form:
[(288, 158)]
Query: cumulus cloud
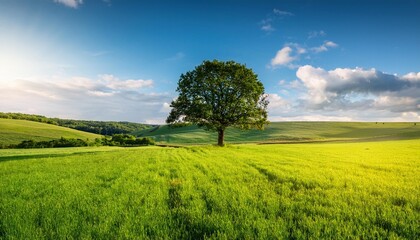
[(283, 57), (395, 103), (346, 94), (347, 80), (288, 54), (325, 47), (276, 101), (414, 77), (350, 89), (104, 98), (70, 3)]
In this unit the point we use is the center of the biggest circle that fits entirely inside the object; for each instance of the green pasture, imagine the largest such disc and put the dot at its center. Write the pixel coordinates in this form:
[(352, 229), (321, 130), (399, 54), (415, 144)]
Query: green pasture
[(15, 131), (364, 190), (290, 132)]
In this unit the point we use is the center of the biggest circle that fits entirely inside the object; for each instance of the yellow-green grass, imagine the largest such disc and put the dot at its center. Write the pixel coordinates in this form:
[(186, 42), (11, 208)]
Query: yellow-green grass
[(15, 131), (364, 190), (290, 132)]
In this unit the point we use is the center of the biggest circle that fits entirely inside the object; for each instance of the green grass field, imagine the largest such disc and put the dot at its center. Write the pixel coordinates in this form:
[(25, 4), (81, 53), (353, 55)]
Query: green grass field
[(290, 132), (365, 190), (15, 131)]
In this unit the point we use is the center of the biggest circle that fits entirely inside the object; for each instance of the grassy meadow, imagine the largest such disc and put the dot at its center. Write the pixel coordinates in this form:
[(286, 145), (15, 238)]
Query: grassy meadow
[(359, 190), (14, 131), (289, 132)]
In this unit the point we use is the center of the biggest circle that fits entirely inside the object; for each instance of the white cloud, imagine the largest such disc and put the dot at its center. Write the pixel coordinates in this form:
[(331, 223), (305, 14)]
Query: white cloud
[(272, 17), (104, 98), (315, 81), (412, 76), (347, 89), (325, 47), (130, 84), (287, 55), (107, 77), (100, 93), (295, 84), (388, 101), (331, 44), (282, 13), (319, 49), (283, 57), (277, 101), (70, 3), (40, 93), (347, 94), (408, 117), (294, 52), (267, 28), (113, 82), (166, 108), (346, 80), (277, 105), (300, 50), (282, 82)]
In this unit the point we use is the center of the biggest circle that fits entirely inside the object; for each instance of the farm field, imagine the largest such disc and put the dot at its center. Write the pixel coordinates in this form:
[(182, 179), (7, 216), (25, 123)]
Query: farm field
[(289, 132), (14, 131), (286, 191)]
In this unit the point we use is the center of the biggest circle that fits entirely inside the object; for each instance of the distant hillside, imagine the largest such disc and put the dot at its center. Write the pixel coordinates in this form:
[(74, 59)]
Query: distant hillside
[(14, 131), (289, 132), (99, 127)]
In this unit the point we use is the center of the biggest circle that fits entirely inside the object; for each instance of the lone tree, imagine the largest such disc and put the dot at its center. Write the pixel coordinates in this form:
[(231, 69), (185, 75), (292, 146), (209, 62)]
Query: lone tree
[(216, 95)]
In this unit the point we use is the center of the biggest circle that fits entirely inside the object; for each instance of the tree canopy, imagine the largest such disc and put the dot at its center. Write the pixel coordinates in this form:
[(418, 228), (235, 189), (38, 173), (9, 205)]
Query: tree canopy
[(216, 95)]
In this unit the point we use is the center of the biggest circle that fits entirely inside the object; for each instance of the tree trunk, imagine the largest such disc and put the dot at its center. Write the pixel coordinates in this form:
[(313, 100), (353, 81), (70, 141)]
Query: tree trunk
[(221, 137)]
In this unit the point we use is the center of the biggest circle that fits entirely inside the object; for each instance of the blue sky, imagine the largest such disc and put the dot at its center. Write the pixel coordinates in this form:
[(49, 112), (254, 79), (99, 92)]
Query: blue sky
[(121, 60)]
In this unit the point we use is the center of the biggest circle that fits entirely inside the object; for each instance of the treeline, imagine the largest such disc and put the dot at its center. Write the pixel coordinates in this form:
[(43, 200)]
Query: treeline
[(100, 127), (56, 143), (108, 128), (29, 117), (122, 140), (126, 140)]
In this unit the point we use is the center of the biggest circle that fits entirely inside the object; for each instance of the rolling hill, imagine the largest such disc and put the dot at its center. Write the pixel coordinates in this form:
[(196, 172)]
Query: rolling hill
[(14, 131), (98, 127), (279, 132)]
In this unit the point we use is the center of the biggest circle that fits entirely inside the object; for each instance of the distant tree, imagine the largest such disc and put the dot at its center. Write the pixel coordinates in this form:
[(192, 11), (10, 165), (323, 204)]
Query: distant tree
[(122, 139), (216, 95)]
